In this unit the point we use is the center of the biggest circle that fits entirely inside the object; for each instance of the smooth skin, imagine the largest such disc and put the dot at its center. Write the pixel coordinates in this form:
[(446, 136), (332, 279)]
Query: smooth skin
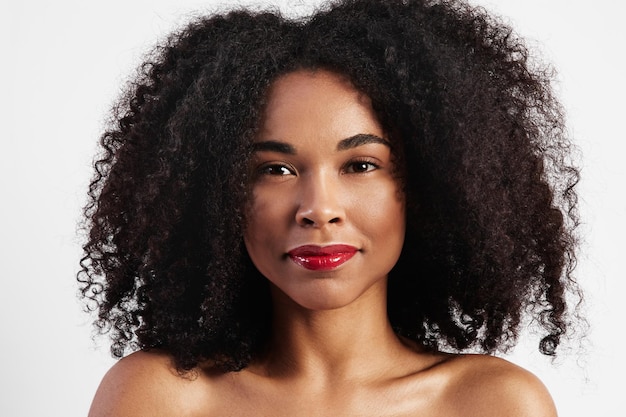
[(325, 174)]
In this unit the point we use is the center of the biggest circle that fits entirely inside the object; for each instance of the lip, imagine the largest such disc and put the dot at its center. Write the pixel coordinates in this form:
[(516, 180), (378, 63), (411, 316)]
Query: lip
[(322, 258)]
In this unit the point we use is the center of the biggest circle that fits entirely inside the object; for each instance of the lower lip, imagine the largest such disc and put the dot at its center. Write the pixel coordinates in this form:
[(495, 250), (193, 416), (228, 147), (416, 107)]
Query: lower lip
[(322, 262)]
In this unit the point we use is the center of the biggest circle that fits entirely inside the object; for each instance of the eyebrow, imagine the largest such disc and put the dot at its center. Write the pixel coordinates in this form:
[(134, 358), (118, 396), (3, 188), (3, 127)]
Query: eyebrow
[(273, 146), (359, 140), (344, 144)]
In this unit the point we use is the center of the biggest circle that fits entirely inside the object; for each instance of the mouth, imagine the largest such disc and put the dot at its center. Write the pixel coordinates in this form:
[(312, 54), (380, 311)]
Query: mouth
[(318, 258)]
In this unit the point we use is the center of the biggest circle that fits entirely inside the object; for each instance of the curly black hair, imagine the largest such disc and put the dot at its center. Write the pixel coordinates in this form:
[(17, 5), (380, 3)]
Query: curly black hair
[(491, 206)]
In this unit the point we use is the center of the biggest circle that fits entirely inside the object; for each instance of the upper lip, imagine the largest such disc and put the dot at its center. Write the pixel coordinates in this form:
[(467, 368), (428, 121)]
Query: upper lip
[(316, 250)]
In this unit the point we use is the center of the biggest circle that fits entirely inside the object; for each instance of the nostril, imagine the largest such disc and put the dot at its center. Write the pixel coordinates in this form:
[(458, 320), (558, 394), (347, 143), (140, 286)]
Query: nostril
[(305, 221)]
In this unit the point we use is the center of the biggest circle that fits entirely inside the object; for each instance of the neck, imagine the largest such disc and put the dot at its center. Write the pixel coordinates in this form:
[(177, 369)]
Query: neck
[(343, 343)]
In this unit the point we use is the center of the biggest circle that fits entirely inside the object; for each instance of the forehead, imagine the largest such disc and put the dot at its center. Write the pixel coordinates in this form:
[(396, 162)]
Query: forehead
[(308, 81), (306, 101)]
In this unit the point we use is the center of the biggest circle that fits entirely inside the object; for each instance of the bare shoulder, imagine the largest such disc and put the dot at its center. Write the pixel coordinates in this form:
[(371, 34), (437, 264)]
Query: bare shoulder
[(145, 384), (489, 386)]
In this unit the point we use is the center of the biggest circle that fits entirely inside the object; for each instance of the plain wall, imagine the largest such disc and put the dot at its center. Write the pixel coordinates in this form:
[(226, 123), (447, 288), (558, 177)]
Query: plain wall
[(62, 65)]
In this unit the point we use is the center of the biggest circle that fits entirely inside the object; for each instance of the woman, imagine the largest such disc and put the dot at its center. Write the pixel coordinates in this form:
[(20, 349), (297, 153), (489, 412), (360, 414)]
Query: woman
[(325, 216)]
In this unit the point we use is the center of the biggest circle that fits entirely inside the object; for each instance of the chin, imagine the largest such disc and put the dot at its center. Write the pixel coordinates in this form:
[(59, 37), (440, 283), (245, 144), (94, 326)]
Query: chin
[(329, 294)]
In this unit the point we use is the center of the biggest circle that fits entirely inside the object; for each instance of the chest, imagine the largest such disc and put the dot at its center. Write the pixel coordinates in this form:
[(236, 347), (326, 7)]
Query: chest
[(400, 399)]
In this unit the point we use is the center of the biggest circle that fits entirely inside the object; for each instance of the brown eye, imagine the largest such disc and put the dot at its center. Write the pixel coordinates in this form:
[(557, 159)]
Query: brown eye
[(359, 167), (275, 170)]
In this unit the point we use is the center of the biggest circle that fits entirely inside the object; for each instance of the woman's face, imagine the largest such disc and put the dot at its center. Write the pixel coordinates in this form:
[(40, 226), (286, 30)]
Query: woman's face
[(327, 219)]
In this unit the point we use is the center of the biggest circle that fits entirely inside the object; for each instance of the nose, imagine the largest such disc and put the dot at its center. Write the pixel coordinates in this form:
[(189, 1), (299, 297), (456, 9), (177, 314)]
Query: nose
[(320, 202)]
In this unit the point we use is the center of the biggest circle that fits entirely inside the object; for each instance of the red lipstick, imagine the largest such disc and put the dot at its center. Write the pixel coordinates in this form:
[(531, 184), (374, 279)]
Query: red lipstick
[(318, 258)]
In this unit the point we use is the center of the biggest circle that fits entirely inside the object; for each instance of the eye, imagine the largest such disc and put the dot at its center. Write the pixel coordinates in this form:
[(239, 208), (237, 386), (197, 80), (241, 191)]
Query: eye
[(274, 169), (360, 167)]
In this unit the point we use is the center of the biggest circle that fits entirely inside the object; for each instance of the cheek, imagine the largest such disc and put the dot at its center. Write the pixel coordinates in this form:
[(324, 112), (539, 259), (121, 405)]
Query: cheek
[(391, 232), (256, 216), (257, 242), (265, 218), (393, 225), (384, 213)]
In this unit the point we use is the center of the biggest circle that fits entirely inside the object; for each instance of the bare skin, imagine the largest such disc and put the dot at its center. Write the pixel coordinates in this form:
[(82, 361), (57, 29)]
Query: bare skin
[(365, 371), (333, 351), (146, 384)]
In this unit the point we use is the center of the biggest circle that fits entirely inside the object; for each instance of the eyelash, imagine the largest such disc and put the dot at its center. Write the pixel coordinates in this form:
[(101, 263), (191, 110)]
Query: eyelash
[(372, 166), (266, 169), (281, 169)]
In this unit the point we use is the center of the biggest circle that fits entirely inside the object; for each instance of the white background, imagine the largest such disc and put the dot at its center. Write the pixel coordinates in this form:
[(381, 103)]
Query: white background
[(61, 66)]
